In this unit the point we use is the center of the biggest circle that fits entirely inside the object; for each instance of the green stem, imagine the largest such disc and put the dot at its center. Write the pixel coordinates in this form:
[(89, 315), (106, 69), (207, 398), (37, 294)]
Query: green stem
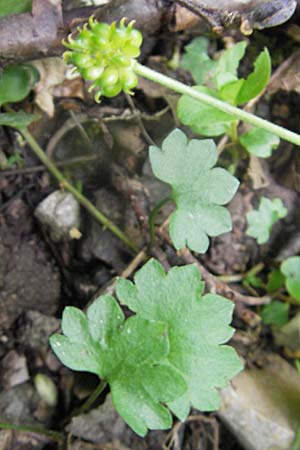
[(80, 197), (238, 113), (153, 215), (296, 442), (233, 132), (54, 435), (94, 395)]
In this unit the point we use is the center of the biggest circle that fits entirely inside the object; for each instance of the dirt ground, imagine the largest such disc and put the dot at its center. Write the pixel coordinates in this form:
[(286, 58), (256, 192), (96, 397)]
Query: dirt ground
[(103, 149)]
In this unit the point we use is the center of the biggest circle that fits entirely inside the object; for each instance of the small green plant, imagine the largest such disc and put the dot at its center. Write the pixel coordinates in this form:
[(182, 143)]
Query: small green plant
[(259, 142), (118, 47), (275, 280), (198, 188), (220, 80), (260, 222), (291, 270), (8, 8), (276, 313), (15, 84), (169, 356)]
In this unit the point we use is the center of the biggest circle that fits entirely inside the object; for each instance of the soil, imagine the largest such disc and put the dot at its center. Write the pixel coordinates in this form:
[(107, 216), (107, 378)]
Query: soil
[(39, 277)]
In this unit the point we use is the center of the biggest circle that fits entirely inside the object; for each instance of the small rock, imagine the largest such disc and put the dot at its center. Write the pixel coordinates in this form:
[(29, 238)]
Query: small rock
[(104, 426), (60, 213), (46, 389), (262, 406), (101, 425), (13, 370), (17, 404)]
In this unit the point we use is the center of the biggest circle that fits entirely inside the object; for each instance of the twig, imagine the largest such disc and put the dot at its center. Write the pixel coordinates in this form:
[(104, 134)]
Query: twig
[(215, 285), (40, 168), (145, 133), (236, 278), (140, 257)]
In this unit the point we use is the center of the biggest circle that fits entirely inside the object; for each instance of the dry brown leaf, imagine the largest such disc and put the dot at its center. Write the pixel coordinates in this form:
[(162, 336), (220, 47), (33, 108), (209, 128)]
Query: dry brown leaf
[(54, 83), (287, 76)]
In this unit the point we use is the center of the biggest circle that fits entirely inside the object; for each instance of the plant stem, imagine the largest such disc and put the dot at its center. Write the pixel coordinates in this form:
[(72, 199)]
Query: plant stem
[(152, 216), (296, 442), (94, 395), (80, 197), (233, 132), (238, 113), (54, 435)]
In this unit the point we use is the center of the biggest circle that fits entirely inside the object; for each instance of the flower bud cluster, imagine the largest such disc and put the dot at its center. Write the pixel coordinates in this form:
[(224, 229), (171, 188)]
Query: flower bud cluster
[(105, 54)]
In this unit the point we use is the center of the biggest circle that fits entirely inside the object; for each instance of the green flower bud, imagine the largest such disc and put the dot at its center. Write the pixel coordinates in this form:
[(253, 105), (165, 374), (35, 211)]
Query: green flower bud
[(112, 90), (105, 54), (136, 38), (131, 51), (110, 77), (92, 73), (128, 79), (101, 30), (82, 60)]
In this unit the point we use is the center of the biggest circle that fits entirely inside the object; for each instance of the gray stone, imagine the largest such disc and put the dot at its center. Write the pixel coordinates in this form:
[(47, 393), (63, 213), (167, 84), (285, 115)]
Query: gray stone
[(262, 406), (59, 213)]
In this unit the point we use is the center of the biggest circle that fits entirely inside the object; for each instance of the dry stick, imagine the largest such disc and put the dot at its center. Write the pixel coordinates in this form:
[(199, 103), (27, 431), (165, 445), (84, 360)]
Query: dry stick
[(212, 283), (68, 162), (215, 285), (79, 197)]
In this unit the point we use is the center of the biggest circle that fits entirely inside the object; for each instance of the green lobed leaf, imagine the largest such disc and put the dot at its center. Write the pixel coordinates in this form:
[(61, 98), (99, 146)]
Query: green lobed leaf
[(197, 326), (201, 118), (17, 120), (259, 142), (276, 313), (9, 7), (229, 91), (16, 82), (276, 280), (253, 280), (291, 269), (260, 222), (228, 63), (197, 61), (130, 355), (198, 188), (257, 80)]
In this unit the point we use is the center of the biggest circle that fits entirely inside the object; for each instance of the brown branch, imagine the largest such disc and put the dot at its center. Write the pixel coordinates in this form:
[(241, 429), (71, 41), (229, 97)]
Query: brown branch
[(28, 35), (39, 33), (219, 287)]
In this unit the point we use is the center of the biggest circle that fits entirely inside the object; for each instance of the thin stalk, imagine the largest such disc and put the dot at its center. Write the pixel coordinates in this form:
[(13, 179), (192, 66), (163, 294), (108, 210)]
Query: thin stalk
[(153, 215), (80, 197), (296, 442), (233, 132), (238, 113), (54, 435), (94, 395)]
